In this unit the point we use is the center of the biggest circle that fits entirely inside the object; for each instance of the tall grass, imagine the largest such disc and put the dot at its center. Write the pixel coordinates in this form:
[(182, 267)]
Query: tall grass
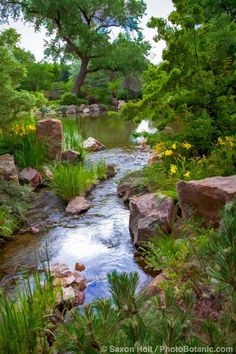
[(70, 181), (31, 152), (72, 140), (24, 321)]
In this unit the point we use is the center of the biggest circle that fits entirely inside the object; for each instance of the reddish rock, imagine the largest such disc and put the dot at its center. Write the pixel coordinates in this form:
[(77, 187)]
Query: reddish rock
[(148, 213), (78, 299), (8, 169), (125, 190), (79, 267), (95, 107), (154, 287), (77, 205), (50, 132), (71, 110), (31, 176), (153, 158), (92, 144), (70, 156), (58, 268), (206, 198)]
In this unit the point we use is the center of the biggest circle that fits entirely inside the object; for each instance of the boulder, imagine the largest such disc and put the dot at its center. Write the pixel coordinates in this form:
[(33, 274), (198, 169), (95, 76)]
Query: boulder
[(92, 144), (95, 107), (154, 287), (120, 104), (8, 169), (71, 110), (148, 213), (31, 176), (153, 158), (82, 107), (79, 267), (50, 132), (206, 197), (111, 171), (70, 156), (125, 190), (68, 293), (86, 110), (77, 205), (47, 173)]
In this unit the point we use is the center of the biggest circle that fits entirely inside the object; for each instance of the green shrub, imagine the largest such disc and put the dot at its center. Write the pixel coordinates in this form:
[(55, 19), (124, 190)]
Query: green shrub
[(70, 181), (68, 99), (15, 201)]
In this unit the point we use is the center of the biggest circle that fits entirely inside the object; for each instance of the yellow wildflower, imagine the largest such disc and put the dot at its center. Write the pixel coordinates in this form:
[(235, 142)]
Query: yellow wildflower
[(187, 146), (30, 128), (168, 153), (174, 146), (187, 174), (173, 169), (220, 141), (160, 147)]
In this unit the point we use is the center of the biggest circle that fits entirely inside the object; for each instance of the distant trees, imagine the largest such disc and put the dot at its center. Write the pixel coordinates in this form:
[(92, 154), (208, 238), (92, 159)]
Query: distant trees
[(12, 72), (82, 28)]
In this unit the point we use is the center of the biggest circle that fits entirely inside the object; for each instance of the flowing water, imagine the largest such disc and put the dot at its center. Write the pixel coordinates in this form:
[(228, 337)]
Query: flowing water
[(100, 238)]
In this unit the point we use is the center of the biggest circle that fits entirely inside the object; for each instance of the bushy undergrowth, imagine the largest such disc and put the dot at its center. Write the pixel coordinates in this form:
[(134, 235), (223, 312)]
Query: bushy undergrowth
[(14, 203), (70, 181)]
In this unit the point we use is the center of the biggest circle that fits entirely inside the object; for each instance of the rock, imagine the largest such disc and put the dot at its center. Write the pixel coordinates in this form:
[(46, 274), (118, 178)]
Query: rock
[(79, 267), (167, 130), (125, 191), (131, 185), (95, 107), (47, 173), (77, 205), (143, 144), (153, 158), (50, 132), (68, 293), (92, 144), (58, 268), (86, 110), (31, 176), (120, 104), (35, 229), (78, 299), (206, 197), (111, 171), (148, 213), (79, 282), (8, 169), (154, 287), (82, 107), (70, 156), (71, 110), (114, 102)]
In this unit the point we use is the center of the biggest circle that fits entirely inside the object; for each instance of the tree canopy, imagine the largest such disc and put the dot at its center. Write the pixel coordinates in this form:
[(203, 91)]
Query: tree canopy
[(80, 28), (195, 85)]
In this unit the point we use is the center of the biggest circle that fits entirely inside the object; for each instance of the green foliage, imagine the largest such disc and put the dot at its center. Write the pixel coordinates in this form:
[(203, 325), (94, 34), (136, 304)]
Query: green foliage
[(12, 72), (71, 181), (15, 201), (194, 86), (68, 99), (25, 323)]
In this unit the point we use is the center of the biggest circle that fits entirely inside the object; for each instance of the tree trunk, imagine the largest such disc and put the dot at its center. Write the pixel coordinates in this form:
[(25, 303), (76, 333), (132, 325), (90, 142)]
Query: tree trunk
[(81, 76)]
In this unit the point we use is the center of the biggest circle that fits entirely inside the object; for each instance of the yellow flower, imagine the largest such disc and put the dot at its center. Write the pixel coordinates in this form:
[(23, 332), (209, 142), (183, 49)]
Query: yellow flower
[(174, 146), (30, 128), (187, 174), (187, 146), (220, 141), (168, 153), (159, 147), (173, 169)]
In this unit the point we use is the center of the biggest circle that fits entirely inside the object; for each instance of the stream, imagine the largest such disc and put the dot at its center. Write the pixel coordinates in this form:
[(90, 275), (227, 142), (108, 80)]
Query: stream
[(100, 238)]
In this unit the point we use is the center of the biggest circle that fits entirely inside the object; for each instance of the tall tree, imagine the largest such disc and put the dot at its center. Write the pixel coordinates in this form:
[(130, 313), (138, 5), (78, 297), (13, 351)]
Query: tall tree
[(80, 27)]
